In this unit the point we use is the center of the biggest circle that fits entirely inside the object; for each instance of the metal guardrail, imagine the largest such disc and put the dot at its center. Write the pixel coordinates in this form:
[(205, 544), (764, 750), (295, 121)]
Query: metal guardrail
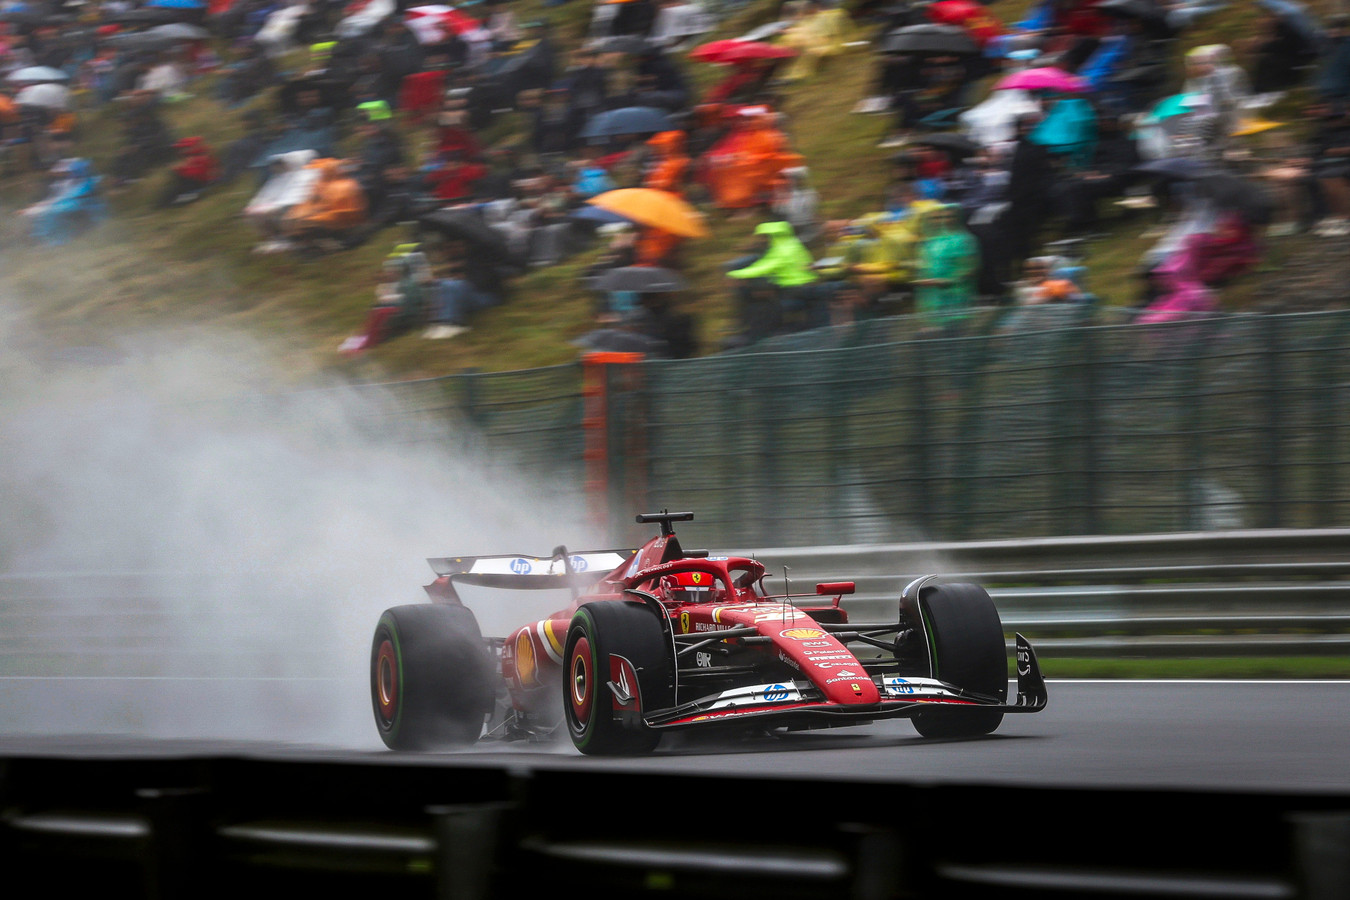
[(1260, 592), (1203, 594), (194, 826)]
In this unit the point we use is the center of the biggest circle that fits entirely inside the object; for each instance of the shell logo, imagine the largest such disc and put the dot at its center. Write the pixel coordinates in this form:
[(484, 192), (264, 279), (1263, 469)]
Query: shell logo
[(802, 634), (526, 669)]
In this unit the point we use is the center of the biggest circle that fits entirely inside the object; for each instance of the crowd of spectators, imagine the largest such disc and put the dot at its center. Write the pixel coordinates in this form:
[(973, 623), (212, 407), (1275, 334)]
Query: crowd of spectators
[(354, 118)]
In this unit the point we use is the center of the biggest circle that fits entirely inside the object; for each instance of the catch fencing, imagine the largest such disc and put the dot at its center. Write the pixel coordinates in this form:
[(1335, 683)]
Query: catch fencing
[(1029, 423)]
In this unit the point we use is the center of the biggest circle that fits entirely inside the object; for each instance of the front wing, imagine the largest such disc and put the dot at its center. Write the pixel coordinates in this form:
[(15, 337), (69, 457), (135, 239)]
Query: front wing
[(798, 702)]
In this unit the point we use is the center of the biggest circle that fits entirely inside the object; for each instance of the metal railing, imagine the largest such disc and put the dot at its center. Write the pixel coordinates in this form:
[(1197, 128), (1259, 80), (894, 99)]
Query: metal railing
[(187, 825), (1032, 423), (1278, 592)]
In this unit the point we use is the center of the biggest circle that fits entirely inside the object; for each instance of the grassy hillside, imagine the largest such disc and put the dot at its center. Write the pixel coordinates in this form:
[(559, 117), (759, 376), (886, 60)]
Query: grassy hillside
[(193, 267)]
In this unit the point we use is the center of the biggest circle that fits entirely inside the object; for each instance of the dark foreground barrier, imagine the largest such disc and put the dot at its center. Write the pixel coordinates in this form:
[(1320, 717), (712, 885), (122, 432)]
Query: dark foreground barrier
[(239, 827)]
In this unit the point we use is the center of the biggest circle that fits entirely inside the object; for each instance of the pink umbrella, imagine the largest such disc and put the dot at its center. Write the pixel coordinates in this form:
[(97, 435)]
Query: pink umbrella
[(1046, 78)]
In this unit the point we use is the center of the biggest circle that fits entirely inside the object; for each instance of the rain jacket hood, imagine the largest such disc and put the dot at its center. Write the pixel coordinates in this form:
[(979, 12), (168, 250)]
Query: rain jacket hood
[(787, 262)]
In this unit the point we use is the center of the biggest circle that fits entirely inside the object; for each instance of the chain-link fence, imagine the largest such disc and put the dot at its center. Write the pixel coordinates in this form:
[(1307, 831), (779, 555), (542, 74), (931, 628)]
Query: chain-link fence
[(1028, 423)]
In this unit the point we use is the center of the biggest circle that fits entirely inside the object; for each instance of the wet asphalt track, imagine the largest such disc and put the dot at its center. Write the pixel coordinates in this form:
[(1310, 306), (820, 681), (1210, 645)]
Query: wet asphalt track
[(1234, 735)]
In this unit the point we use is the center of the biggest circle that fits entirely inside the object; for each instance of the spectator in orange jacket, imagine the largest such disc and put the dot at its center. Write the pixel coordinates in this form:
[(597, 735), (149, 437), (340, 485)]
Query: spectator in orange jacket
[(670, 164), (655, 246), (745, 167), (334, 211)]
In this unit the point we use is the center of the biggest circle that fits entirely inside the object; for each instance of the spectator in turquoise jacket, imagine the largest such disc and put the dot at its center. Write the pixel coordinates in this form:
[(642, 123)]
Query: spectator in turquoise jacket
[(949, 264)]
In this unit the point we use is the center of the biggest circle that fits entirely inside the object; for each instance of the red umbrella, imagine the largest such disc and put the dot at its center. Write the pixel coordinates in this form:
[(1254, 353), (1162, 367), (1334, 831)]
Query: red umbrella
[(730, 52), (430, 23), (969, 15)]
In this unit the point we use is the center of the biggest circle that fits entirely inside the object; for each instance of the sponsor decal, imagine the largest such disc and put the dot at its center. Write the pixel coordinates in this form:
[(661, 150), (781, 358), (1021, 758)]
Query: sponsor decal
[(817, 656), (521, 566), (780, 614), (775, 692), (703, 660), (718, 558), (1023, 661), (789, 660), (708, 626), (803, 634), (899, 687), (696, 577), (856, 689), (818, 644), (718, 610), (579, 563), (684, 623), (841, 676), (526, 668)]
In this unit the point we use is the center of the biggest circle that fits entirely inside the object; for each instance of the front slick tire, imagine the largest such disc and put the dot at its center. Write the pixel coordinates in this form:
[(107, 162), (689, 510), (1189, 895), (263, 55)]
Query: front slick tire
[(966, 640), (624, 629), (430, 677)]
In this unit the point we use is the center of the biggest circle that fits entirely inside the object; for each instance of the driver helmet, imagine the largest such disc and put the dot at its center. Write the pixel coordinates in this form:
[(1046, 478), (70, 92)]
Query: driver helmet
[(693, 587)]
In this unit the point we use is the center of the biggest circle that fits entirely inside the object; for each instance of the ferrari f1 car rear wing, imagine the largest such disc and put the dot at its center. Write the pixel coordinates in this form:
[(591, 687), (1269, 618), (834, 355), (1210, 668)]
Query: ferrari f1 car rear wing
[(517, 572)]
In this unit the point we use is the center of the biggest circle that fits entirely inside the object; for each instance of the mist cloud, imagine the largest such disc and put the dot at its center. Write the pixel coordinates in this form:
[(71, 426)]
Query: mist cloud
[(220, 545)]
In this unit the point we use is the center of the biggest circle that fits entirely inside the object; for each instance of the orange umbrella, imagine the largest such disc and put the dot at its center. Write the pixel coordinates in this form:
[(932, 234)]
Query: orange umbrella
[(1254, 126), (654, 208)]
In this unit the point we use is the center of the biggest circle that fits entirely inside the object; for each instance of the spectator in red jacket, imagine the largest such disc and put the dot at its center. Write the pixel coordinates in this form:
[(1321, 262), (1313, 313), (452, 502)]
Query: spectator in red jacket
[(197, 168), (451, 178)]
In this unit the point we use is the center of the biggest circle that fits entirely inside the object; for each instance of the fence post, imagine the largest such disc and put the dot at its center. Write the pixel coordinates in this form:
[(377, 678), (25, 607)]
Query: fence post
[(919, 440), (1274, 396), (603, 424), (1090, 422), (1326, 441), (1193, 455), (470, 398)]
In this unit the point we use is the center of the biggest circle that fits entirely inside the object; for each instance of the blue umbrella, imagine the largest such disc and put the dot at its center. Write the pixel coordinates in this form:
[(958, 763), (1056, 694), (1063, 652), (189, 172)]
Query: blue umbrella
[(597, 215), (629, 120)]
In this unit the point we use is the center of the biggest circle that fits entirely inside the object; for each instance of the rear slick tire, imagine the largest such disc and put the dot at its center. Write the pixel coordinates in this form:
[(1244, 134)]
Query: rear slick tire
[(597, 631), (431, 678), (967, 649)]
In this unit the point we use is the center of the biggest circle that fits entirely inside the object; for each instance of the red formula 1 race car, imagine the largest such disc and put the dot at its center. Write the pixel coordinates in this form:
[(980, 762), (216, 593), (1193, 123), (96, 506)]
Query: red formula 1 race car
[(663, 639)]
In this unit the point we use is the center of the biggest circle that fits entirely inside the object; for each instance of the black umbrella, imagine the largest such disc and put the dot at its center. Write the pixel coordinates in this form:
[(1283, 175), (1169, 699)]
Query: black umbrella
[(1179, 168), (140, 40), (1233, 192), (950, 141), (181, 31), (619, 43), (34, 17), (463, 225), (617, 340), (629, 120), (1146, 12), (1298, 17), (930, 40), (147, 16), (640, 280)]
